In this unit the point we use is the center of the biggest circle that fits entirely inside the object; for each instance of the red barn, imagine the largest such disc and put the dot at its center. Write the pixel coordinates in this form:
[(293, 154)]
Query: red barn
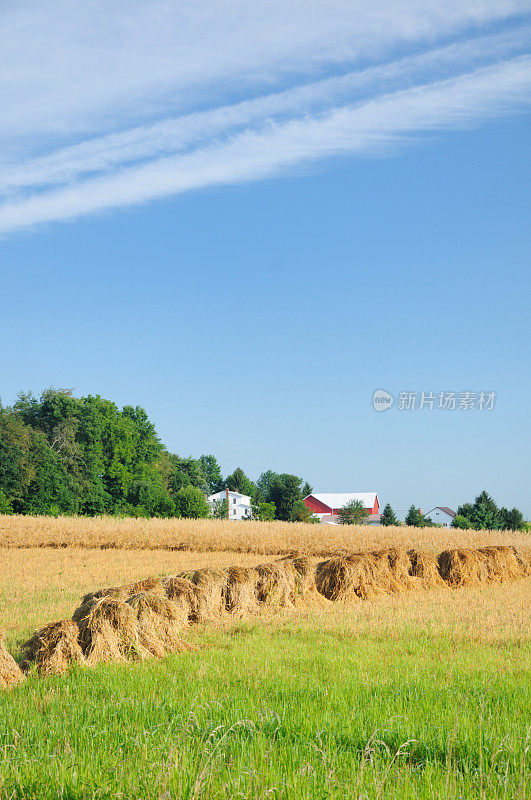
[(332, 502)]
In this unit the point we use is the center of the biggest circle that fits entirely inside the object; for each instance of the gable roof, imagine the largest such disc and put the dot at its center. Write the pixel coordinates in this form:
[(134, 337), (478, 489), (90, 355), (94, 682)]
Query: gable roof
[(223, 493), (340, 499), (443, 508)]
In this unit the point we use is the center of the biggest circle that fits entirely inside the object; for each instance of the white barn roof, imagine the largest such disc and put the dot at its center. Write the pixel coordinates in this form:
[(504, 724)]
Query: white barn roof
[(340, 499)]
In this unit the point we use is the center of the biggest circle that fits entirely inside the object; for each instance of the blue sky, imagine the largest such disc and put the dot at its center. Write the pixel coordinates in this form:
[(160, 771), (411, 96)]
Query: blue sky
[(248, 221)]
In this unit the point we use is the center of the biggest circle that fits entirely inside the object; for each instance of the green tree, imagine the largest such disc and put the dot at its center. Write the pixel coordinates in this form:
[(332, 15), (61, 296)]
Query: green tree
[(512, 520), (187, 472), (190, 502), (90, 457), (301, 513), (388, 516), (221, 509), (306, 489), (6, 505), (485, 501), (284, 491), (414, 517), (353, 513), (212, 473), (483, 513), (17, 467), (148, 491), (263, 485), (52, 490)]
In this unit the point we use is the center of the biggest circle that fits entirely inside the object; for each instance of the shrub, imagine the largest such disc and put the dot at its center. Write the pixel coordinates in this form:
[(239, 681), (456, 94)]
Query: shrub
[(353, 513), (6, 506), (190, 502), (264, 511), (460, 521)]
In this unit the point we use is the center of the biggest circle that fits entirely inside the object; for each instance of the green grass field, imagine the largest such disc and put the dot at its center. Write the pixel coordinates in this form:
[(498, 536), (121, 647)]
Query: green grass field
[(386, 705)]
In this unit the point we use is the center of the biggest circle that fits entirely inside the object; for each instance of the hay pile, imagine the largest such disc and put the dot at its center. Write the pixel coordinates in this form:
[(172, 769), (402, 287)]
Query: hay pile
[(119, 592), (147, 585), (463, 567), (159, 623), (240, 591), (210, 593), (54, 648), (502, 563), (128, 590), (468, 567), (336, 579), (364, 575), (425, 569), (10, 672), (276, 586), (400, 578), (523, 556), (108, 631), (304, 573), (183, 593)]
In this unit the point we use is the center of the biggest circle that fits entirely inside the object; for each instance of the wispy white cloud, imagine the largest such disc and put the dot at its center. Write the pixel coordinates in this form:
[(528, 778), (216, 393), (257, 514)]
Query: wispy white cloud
[(372, 125), (177, 96), (171, 135)]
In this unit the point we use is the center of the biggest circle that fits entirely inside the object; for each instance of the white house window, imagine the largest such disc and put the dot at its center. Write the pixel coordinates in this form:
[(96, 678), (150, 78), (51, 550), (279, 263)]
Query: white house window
[(234, 501)]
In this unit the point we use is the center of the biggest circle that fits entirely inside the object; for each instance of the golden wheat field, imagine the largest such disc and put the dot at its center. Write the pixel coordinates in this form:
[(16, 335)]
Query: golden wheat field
[(265, 538)]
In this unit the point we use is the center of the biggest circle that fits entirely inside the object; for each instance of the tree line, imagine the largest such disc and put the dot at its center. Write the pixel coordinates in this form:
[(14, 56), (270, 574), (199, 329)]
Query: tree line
[(482, 514), (61, 454)]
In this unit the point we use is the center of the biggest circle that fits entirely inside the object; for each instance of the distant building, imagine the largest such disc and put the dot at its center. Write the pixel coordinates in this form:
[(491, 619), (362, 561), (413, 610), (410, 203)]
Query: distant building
[(327, 505), (239, 504), (442, 515)]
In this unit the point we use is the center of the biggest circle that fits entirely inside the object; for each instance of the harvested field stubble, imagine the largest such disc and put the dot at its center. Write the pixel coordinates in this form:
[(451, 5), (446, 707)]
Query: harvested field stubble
[(54, 648)]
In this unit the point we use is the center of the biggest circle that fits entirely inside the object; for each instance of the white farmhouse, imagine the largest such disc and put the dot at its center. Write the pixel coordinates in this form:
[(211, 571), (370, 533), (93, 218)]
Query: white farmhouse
[(442, 515), (239, 504)]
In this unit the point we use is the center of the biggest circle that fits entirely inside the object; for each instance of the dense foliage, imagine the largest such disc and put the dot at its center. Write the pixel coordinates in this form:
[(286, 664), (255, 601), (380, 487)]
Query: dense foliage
[(60, 454), (484, 514)]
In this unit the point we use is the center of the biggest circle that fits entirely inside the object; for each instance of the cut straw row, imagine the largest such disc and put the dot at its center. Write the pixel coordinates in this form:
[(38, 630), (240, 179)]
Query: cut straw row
[(147, 619)]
